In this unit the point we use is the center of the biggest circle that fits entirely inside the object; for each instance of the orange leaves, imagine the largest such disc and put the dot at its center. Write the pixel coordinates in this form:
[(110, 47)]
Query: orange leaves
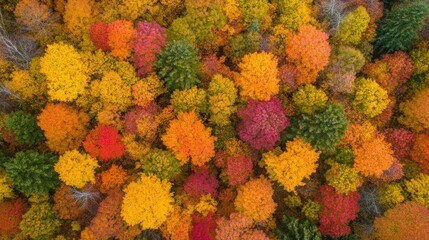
[(258, 76), (420, 152), (63, 126), (373, 157), (255, 199), (189, 139), (309, 50), (120, 35), (415, 112), (114, 177), (408, 221)]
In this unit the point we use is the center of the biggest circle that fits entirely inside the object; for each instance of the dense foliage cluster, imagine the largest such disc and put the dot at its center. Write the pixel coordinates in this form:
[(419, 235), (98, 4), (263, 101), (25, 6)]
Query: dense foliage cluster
[(214, 119)]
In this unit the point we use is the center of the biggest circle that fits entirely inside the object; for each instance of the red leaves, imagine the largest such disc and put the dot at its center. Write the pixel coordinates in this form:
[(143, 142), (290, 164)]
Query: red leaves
[(337, 211), (238, 170), (201, 183), (262, 123), (104, 142), (10, 216), (99, 35), (150, 39), (203, 227)]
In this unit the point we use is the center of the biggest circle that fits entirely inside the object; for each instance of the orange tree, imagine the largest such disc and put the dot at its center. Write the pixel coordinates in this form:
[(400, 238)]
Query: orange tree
[(189, 139), (309, 51), (406, 221), (258, 78), (64, 127), (255, 199)]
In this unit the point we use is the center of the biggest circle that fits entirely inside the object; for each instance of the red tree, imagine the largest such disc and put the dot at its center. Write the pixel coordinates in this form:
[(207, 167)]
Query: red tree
[(108, 222), (140, 113), (203, 227), (151, 38), (262, 123), (420, 152), (401, 139), (337, 211), (10, 216), (104, 142), (238, 169), (99, 35), (200, 183)]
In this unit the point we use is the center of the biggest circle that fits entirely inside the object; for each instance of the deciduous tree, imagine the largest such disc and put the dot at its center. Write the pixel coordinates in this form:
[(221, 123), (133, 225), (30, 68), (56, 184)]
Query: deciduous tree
[(255, 199), (309, 51), (147, 202), (189, 139)]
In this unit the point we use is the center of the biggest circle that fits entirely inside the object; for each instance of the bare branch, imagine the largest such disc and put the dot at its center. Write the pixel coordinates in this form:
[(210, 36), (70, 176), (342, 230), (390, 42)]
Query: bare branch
[(17, 49)]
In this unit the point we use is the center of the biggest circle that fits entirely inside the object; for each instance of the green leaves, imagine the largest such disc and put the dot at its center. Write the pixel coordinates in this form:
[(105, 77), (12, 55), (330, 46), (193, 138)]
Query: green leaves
[(401, 26), (24, 126), (324, 129), (32, 172), (294, 229), (178, 65)]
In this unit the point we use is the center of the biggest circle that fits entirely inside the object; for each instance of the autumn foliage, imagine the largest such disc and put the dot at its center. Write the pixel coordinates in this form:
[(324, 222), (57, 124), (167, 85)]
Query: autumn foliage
[(309, 50), (65, 72), (189, 139), (104, 142), (415, 111), (220, 119), (147, 202), (290, 168), (255, 199), (11, 214), (238, 227), (76, 169), (258, 78), (150, 39), (262, 123), (238, 169), (201, 182), (108, 221), (64, 127), (408, 220), (420, 152), (337, 211), (99, 35)]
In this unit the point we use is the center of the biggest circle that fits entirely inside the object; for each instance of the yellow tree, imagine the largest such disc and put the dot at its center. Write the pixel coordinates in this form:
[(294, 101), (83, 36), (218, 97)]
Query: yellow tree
[(290, 168), (258, 76), (78, 16), (147, 202), (76, 169), (65, 72)]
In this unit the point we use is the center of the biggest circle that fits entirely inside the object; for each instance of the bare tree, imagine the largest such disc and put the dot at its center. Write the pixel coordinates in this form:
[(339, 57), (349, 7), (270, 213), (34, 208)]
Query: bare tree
[(6, 99), (334, 11), (18, 49)]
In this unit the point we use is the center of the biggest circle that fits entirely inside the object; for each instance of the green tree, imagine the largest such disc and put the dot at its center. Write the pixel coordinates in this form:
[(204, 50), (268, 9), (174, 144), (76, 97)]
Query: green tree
[(24, 126), (323, 129), (401, 26), (32, 172), (178, 65), (290, 228)]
